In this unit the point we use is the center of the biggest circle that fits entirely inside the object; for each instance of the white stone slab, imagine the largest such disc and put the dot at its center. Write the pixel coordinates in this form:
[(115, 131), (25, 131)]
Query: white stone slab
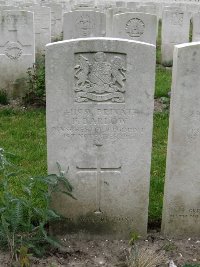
[(102, 130), (181, 210), (17, 48), (79, 24), (42, 22), (196, 27), (135, 26), (56, 20), (175, 30)]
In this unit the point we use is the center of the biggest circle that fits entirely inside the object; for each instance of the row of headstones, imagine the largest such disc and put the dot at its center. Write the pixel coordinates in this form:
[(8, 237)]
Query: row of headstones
[(101, 132), (21, 30)]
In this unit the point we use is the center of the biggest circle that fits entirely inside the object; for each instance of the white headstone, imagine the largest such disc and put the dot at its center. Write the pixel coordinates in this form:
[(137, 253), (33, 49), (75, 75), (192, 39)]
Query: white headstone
[(102, 130), (135, 26), (42, 22), (181, 210), (175, 30), (8, 7), (56, 20), (82, 24), (132, 5), (17, 50), (196, 27)]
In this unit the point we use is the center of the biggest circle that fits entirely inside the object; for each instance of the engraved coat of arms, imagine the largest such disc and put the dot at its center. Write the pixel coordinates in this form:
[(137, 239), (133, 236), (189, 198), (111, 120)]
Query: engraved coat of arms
[(100, 80)]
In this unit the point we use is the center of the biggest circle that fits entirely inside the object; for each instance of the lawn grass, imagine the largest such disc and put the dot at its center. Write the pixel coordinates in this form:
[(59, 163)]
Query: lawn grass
[(23, 133), (163, 81), (158, 163)]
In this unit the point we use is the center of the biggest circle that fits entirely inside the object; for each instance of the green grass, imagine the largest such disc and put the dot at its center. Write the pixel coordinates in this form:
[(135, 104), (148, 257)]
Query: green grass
[(160, 133), (23, 133), (163, 81)]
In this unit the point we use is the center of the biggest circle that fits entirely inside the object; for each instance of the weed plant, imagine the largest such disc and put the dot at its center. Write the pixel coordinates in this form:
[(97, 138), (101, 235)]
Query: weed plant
[(145, 257), (35, 92), (23, 224), (3, 97)]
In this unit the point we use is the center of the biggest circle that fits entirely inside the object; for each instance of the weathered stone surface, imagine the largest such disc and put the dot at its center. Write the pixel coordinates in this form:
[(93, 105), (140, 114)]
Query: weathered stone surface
[(56, 20), (82, 24), (17, 50), (42, 23), (196, 28), (175, 30), (181, 211), (135, 26), (99, 124)]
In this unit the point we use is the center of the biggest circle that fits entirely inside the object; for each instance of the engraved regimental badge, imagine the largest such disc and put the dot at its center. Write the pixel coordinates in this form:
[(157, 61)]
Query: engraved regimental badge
[(135, 27), (100, 79), (13, 50)]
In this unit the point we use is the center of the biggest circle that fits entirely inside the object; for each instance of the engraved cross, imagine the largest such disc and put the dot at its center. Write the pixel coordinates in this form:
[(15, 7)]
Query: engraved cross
[(98, 170)]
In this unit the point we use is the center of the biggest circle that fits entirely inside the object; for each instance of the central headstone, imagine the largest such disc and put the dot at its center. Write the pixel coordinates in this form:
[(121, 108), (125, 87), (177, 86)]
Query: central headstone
[(99, 125)]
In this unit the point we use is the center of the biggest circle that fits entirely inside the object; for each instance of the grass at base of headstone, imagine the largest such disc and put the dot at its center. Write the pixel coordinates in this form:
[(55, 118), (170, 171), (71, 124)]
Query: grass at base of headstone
[(163, 81), (23, 133), (158, 164)]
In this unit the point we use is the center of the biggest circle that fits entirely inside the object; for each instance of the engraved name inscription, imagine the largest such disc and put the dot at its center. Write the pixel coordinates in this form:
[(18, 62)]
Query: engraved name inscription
[(135, 27), (100, 123), (100, 79), (103, 219), (193, 213)]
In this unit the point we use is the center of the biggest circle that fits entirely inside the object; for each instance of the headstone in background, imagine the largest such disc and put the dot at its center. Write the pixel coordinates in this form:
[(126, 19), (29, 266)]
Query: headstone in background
[(119, 10), (181, 211), (196, 27), (135, 26), (56, 21), (132, 6), (175, 30), (42, 23), (8, 7), (82, 24), (120, 3), (17, 49), (102, 130)]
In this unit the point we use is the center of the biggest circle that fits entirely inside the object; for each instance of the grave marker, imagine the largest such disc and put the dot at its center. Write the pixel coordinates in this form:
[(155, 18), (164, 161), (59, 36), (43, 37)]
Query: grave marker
[(175, 30), (135, 26), (102, 131), (84, 24), (181, 209), (17, 50)]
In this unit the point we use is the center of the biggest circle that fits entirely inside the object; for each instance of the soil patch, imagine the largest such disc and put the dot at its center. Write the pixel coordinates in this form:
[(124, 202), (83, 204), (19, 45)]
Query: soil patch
[(115, 253)]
